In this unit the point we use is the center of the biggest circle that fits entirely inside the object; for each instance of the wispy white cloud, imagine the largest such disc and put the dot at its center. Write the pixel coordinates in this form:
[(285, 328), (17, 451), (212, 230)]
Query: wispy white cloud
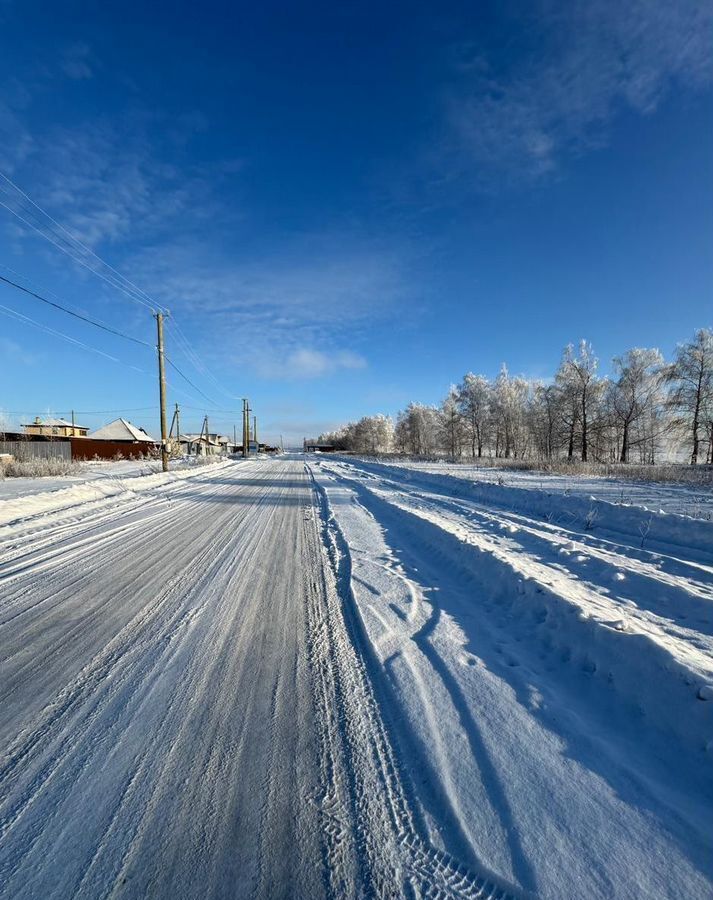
[(299, 305), (297, 311), (310, 363), (107, 182), (593, 57)]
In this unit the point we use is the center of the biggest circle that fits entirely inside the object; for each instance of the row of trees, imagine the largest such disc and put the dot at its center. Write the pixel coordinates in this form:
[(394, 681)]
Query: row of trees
[(646, 409)]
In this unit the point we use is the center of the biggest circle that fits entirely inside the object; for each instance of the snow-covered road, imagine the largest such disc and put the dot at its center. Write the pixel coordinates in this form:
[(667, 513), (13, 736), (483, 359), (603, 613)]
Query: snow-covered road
[(187, 706), (335, 678)]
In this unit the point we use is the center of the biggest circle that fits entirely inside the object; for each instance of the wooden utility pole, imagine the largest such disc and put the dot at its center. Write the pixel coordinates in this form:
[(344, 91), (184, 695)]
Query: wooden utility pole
[(175, 421), (255, 433), (178, 427), (162, 392), (246, 435)]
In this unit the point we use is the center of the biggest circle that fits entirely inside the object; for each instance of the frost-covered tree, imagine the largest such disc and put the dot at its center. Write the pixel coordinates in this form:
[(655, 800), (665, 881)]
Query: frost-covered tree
[(510, 400), (634, 395), (371, 434), (451, 424), (545, 419), (582, 391), (374, 434), (417, 429), (691, 376), (474, 403), (625, 417)]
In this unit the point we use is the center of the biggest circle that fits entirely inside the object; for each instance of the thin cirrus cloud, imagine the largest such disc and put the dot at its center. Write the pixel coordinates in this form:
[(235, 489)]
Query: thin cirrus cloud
[(298, 308), (298, 304), (592, 58), (309, 363), (112, 180)]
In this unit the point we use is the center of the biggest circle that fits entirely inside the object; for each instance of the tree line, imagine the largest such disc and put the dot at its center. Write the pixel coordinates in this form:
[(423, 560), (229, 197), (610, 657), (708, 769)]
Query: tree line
[(646, 410)]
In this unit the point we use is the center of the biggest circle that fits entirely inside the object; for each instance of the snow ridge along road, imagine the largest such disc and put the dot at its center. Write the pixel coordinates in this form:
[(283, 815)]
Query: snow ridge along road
[(189, 706), (547, 680)]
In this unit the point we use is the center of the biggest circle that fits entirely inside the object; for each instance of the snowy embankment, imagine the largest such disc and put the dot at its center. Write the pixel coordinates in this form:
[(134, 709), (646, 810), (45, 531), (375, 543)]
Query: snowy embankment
[(695, 501), (551, 655), (25, 498)]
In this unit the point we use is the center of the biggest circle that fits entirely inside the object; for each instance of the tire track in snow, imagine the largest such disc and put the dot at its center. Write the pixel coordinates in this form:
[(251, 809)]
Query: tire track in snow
[(394, 855), (480, 592)]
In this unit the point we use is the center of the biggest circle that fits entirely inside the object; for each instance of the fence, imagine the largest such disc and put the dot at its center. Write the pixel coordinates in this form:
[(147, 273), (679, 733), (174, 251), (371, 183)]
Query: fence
[(23, 450), (86, 448)]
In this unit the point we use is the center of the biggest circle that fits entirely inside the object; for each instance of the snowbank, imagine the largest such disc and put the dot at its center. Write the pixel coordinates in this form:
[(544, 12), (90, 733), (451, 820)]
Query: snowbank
[(103, 485), (551, 705), (593, 505)]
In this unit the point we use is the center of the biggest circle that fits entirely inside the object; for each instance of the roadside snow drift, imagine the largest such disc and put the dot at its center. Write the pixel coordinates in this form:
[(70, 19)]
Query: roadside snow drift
[(550, 661)]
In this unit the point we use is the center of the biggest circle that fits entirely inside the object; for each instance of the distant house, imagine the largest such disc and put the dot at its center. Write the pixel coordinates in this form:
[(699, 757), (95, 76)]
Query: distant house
[(122, 431), (317, 447), (118, 439), (54, 428), (205, 445)]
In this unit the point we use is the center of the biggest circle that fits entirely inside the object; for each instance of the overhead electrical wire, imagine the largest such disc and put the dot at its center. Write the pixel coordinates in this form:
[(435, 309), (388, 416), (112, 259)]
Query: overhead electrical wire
[(88, 412), (124, 283), (193, 356), (44, 291), (28, 320), (20, 317), (126, 337), (187, 379), (76, 250), (75, 257)]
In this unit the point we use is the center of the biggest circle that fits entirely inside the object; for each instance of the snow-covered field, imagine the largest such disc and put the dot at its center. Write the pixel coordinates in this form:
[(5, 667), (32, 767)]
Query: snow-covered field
[(339, 678)]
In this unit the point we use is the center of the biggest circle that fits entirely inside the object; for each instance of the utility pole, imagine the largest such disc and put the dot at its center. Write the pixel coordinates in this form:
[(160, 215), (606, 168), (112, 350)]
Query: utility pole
[(246, 436), (176, 420), (257, 446), (235, 437), (162, 392), (207, 436)]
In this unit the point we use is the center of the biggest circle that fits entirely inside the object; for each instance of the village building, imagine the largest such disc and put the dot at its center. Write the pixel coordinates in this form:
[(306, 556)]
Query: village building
[(123, 431), (201, 444), (118, 439), (54, 428)]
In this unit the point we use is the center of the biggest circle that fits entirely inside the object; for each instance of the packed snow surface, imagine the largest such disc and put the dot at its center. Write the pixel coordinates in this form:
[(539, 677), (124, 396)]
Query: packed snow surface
[(550, 656), (336, 678)]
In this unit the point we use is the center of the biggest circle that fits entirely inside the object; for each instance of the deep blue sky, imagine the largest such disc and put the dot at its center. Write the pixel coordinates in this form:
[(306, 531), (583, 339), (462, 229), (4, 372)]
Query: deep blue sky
[(347, 207)]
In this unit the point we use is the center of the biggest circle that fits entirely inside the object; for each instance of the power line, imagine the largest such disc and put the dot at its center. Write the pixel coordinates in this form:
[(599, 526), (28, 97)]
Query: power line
[(134, 291), (194, 358), (28, 320), (69, 312), (80, 253), (109, 280), (25, 281), (187, 379)]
